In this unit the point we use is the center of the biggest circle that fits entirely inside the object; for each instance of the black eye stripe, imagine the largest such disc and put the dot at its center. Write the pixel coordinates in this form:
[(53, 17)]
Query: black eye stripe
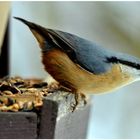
[(128, 63)]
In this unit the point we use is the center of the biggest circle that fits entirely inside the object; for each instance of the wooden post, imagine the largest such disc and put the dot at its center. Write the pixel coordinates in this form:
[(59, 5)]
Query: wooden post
[(21, 125), (68, 126), (4, 38), (4, 14), (58, 122), (55, 120)]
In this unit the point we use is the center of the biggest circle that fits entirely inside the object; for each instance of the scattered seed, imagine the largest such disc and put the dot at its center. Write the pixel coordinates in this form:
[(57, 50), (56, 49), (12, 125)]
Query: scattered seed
[(7, 87), (20, 104), (7, 92), (40, 85), (10, 102), (18, 94), (15, 106)]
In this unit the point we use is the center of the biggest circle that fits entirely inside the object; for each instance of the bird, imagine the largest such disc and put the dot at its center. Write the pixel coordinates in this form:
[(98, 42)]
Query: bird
[(81, 65)]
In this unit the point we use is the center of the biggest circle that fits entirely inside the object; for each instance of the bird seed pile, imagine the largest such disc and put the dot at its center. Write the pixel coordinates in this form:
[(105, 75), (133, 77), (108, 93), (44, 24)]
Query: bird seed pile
[(17, 94)]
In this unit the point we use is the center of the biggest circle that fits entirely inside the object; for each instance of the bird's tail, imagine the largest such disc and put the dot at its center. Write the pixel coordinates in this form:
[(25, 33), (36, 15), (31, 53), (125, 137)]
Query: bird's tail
[(38, 31), (49, 38)]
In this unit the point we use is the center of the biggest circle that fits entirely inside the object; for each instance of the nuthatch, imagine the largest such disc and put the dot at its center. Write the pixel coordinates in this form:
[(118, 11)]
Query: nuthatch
[(81, 65)]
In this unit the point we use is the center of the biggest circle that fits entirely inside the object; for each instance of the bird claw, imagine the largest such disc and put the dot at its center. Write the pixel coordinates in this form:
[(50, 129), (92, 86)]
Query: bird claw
[(78, 97)]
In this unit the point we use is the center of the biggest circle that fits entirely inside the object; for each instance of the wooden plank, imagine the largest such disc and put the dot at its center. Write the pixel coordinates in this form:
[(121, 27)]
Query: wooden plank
[(48, 120), (18, 125), (57, 121), (73, 125)]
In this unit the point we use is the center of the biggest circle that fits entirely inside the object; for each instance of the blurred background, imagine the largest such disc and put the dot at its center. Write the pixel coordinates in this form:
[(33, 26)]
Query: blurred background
[(113, 25), (4, 38)]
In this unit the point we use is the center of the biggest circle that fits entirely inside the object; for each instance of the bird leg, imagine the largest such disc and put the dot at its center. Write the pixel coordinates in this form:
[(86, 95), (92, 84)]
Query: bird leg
[(78, 98), (53, 85)]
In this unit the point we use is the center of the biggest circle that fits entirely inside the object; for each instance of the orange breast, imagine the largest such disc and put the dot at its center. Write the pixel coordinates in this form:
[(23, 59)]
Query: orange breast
[(70, 75)]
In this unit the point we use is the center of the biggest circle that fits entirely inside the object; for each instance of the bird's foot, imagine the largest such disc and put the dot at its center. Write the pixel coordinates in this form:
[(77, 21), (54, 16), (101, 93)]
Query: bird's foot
[(79, 97), (83, 98)]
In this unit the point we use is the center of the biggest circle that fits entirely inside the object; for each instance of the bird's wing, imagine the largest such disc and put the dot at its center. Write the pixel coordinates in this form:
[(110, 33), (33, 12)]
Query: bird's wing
[(84, 53)]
